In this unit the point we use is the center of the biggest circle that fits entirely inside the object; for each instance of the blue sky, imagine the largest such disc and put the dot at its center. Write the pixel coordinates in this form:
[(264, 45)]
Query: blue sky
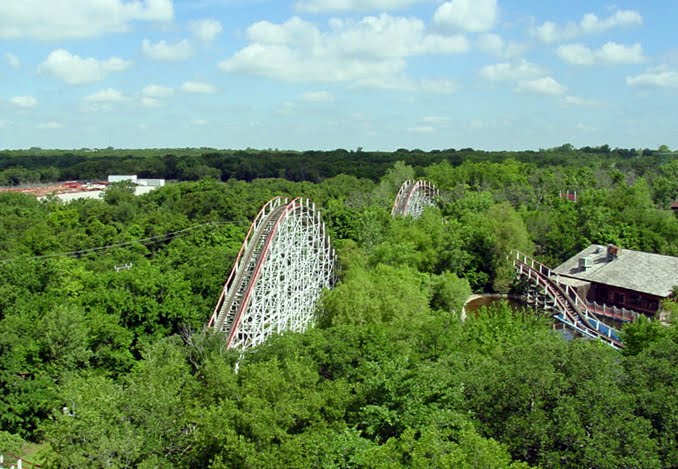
[(325, 74)]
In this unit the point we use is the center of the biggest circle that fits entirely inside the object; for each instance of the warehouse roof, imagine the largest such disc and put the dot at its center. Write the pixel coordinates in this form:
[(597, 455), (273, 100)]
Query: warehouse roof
[(644, 272)]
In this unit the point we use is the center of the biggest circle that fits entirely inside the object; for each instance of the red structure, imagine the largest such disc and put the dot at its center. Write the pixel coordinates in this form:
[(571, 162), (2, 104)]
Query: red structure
[(571, 196), (68, 187)]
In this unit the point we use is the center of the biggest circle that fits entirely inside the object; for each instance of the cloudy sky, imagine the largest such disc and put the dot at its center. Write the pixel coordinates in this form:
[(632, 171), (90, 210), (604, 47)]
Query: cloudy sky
[(325, 74)]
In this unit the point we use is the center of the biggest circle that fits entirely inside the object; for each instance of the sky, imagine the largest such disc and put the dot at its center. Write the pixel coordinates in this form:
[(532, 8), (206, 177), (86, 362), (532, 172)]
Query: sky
[(327, 74)]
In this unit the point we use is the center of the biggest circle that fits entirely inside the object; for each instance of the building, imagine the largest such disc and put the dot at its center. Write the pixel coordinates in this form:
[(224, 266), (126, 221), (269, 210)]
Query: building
[(136, 180), (120, 178), (151, 182), (621, 277), (73, 190)]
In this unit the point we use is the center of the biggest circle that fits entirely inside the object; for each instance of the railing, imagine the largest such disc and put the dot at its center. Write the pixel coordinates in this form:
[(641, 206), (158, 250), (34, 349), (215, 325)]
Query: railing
[(618, 314), (412, 192), (261, 217), (299, 225), (621, 314), (574, 312), (12, 461), (259, 257), (553, 277)]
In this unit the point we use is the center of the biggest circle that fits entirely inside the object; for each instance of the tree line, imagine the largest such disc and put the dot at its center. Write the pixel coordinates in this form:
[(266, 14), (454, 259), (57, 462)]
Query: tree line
[(190, 164)]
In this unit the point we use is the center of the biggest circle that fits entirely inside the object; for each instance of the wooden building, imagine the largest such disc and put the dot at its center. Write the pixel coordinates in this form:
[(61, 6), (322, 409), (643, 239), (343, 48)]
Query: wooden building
[(621, 277)]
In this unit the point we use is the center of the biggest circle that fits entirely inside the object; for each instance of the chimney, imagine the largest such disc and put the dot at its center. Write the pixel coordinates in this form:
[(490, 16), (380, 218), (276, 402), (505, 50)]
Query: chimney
[(613, 252)]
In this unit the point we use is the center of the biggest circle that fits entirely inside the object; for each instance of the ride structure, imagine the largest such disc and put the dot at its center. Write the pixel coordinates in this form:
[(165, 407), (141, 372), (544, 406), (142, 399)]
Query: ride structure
[(546, 291), (283, 265), (413, 197)]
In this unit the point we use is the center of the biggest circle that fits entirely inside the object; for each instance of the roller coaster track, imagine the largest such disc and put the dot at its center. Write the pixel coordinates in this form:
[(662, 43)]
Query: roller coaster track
[(413, 197), (286, 261), (283, 265), (549, 293)]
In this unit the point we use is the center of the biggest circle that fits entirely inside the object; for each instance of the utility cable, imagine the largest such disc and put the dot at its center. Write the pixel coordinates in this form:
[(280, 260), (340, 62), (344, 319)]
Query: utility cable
[(144, 241)]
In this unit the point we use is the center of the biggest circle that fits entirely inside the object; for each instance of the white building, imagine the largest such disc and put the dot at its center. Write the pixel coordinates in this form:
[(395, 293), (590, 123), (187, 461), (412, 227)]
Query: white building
[(119, 178), (151, 182)]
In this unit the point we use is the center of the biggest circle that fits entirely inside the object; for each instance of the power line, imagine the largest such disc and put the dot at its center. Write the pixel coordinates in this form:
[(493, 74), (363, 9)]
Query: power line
[(144, 241)]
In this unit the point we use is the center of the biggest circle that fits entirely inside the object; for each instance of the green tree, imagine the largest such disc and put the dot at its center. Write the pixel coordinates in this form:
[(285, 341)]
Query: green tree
[(509, 232), (385, 294)]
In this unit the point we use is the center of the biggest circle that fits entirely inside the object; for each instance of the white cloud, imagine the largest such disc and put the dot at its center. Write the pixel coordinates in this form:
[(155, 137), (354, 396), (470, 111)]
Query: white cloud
[(467, 15), (615, 53), (324, 6), (511, 71), (152, 95), (550, 32), (157, 91), (58, 19), (436, 120), (576, 101), (24, 101), (75, 70), (12, 60), (198, 87), (655, 77), (494, 44), (287, 107), (370, 52), (206, 30), (317, 97), (436, 86), (199, 122), (108, 95), (422, 129), (577, 54), (102, 101), (50, 125), (527, 76), (590, 23), (609, 53), (147, 101), (586, 128), (544, 85), (162, 50)]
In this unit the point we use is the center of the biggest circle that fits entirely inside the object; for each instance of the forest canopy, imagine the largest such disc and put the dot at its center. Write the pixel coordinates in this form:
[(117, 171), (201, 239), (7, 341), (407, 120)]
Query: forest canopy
[(104, 360)]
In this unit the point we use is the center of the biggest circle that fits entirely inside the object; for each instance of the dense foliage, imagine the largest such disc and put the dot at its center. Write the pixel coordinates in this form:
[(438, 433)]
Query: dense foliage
[(189, 164), (103, 356)]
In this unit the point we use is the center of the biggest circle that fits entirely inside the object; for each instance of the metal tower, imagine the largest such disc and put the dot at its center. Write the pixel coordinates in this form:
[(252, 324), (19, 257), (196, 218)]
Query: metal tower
[(285, 262), (413, 197)]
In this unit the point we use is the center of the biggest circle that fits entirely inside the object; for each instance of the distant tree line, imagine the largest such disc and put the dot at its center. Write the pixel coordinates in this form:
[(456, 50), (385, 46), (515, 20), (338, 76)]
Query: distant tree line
[(36, 165)]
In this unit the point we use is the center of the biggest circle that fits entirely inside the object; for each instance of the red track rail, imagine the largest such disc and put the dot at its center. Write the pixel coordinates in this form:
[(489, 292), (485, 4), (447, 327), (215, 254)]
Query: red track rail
[(566, 299), (260, 262)]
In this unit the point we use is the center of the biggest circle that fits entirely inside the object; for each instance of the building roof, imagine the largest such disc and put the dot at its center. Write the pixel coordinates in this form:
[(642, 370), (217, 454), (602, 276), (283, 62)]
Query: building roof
[(644, 272), (573, 282), (674, 205)]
